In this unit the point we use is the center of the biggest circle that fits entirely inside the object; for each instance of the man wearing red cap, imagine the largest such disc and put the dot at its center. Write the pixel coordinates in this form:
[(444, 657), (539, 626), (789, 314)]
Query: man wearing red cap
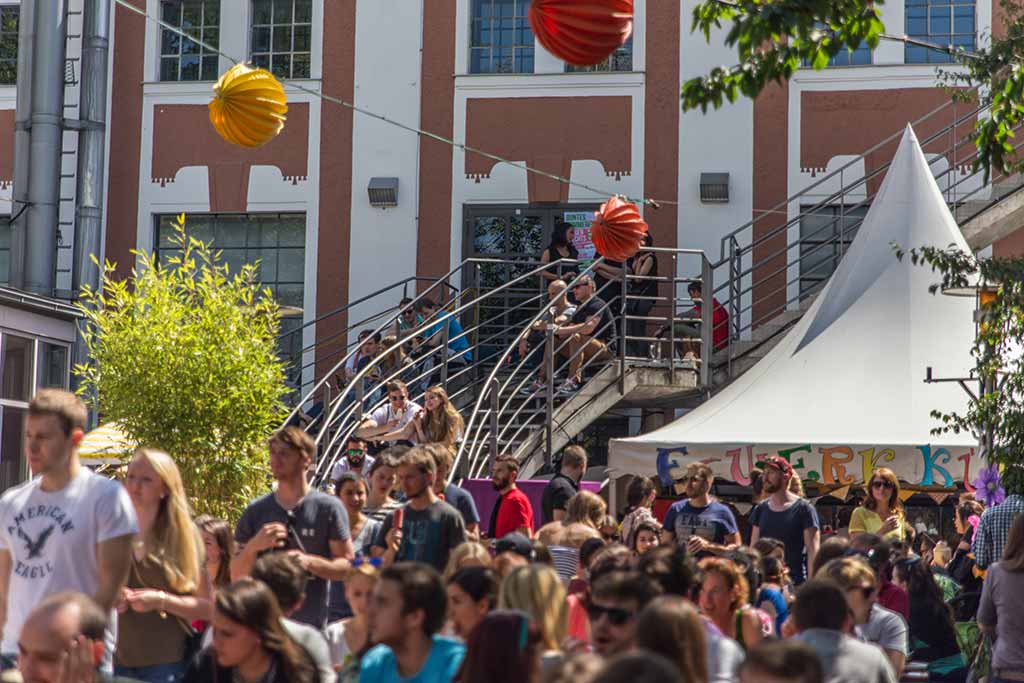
[(786, 517)]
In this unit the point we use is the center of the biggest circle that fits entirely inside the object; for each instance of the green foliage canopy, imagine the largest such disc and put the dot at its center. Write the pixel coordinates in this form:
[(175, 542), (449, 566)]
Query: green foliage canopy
[(184, 356)]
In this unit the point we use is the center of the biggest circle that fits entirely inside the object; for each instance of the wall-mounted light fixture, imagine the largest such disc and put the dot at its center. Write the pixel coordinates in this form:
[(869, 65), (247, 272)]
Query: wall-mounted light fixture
[(714, 188), (383, 192)]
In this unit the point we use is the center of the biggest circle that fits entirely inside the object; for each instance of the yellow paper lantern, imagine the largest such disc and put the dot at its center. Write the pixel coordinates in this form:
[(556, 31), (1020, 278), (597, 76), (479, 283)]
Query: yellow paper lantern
[(248, 107)]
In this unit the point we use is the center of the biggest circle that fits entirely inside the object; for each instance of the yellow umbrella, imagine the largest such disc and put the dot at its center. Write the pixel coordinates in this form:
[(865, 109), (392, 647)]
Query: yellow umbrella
[(105, 445)]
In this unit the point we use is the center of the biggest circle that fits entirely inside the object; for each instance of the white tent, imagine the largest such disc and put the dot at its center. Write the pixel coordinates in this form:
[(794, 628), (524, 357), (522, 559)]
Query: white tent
[(844, 390)]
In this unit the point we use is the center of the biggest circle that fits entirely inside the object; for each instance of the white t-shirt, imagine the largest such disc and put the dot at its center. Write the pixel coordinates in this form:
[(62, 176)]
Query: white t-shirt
[(52, 538), (386, 414), (343, 466)]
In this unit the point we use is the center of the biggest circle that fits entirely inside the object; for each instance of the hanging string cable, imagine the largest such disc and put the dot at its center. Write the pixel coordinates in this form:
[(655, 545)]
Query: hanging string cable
[(654, 203)]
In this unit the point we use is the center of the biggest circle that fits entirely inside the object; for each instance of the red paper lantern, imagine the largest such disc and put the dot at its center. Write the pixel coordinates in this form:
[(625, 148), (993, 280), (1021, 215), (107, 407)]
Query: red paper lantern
[(618, 230), (582, 32)]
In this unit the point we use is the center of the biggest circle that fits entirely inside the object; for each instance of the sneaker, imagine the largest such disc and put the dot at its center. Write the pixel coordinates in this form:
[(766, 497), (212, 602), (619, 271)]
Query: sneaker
[(569, 388), (534, 387)]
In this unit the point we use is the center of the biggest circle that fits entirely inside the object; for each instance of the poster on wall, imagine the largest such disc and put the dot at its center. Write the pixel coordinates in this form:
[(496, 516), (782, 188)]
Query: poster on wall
[(581, 220)]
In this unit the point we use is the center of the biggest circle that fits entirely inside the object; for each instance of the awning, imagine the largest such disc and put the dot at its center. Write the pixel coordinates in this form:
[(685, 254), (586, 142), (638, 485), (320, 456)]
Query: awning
[(105, 445), (844, 391)]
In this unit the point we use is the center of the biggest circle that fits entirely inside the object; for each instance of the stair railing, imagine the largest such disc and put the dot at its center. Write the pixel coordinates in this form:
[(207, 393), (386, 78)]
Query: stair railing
[(341, 415)]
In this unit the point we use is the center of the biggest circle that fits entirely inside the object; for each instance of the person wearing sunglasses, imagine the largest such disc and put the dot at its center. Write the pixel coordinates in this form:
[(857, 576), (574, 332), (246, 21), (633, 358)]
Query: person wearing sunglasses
[(882, 512), (356, 459), (873, 623), (393, 416), (615, 601)]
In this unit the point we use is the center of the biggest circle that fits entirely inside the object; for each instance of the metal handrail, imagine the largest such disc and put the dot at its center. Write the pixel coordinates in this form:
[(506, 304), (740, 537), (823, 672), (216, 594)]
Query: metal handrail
[(335, 412), (739, 279), (505, 410)]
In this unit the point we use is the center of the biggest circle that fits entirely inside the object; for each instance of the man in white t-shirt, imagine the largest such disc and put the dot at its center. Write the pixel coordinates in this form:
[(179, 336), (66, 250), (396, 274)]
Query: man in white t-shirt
[(356, 459), (396, 414), (67, 529)]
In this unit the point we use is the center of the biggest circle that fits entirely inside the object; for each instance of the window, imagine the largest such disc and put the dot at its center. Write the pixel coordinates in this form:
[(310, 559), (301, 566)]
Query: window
[(821, 244), (620, 60), (282, 36), (277, 241), (943, 22), (501, 40), (859, 56), (9, 44), (182, 59)]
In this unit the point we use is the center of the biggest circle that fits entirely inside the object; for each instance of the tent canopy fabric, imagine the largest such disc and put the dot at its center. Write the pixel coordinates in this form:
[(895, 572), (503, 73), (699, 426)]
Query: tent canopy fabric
[(844, 390), (105, 443)]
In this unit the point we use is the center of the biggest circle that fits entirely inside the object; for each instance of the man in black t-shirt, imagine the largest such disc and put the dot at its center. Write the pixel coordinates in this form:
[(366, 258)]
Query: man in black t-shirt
[(564, 485), (591, 334)]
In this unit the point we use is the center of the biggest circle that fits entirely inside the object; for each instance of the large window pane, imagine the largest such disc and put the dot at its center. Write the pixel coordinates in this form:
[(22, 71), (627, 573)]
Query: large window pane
[(281, 38), (858, 56), (501, 40), (941, 22), (275, 241), (12, 440), (825, 235), (16, 376), (620, 60), (182, 59), (9, 44), (53, 365)]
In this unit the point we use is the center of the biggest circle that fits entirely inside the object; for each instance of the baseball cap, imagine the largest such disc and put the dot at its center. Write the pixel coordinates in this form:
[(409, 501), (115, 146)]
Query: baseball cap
[(515, 542), (778, 462)]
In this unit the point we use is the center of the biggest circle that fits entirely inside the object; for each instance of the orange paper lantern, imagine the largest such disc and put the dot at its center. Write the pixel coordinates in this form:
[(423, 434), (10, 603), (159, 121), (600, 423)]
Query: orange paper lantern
[(248, 107), (582, 32), (618, 230)]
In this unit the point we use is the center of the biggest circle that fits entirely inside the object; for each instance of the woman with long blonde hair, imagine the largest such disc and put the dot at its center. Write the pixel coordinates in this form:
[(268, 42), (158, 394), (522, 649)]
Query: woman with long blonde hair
[(439, 421), (168, 587), (537, 590), (882, 512)]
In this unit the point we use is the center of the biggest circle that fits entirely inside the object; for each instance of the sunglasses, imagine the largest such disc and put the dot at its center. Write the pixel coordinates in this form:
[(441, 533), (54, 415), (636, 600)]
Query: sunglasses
[(882, 484), (399, 397), (356, 451), (616, 615)]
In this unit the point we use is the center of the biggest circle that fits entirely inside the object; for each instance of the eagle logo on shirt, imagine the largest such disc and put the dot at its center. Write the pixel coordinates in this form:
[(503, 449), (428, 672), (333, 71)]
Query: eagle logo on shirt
[(35, 547)]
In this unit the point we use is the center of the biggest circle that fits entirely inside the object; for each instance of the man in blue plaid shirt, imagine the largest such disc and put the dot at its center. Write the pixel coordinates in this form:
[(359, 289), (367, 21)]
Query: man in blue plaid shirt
[(993, 529)]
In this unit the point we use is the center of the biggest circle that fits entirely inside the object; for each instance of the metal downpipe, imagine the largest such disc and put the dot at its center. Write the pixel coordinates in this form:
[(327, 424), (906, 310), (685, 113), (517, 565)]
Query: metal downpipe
[(47, 113), (22, 143)]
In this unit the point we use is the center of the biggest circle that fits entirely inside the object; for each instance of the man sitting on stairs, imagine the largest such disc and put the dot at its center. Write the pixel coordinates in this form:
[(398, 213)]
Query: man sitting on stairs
[(591, 334)]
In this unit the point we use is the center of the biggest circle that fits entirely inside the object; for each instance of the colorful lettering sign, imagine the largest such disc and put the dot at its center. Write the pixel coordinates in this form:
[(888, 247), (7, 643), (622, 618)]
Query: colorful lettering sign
[(833, 465)]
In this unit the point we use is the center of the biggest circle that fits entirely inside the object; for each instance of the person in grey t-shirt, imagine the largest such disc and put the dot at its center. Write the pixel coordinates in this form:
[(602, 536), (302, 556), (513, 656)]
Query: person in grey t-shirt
[(309, 525), (822, 616), (287, 580)]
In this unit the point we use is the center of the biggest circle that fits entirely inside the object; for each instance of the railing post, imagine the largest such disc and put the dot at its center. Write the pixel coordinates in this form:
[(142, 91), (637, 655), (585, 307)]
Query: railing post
[(495, 385), (326, 427), (622, 330), (549, 393), (672, 318), (706, 324), (444, 348)]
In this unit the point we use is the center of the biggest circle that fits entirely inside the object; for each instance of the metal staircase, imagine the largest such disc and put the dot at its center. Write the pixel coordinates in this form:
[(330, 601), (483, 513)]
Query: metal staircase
[(768, 274)]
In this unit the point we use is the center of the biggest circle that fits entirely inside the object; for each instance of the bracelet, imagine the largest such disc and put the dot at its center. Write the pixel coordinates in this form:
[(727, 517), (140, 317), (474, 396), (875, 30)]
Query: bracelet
[(163, 605)]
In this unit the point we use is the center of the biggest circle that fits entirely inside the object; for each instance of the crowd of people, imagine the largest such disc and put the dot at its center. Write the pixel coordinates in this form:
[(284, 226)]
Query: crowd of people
[(391, 576)]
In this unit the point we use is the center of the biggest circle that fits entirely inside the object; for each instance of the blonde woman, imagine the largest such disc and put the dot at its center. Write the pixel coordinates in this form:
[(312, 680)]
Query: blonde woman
[(168, 587), (439, 422), (468, 554), (348, 638), (882, 512), (537, 590)]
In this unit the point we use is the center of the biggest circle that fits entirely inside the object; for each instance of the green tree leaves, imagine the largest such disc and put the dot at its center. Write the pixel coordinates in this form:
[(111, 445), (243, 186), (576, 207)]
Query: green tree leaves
[(184, 356), (773, 38)]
